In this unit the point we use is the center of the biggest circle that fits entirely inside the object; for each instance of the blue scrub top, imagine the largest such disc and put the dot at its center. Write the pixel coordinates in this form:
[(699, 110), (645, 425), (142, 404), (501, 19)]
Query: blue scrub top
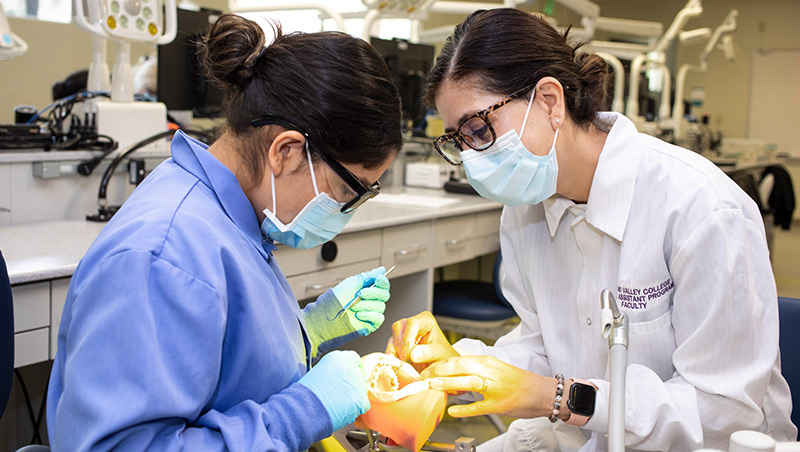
[(179, 331)]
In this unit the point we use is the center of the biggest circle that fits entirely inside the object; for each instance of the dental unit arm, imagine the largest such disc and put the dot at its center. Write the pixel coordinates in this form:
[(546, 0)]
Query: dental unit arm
[(11, 45), (721, 33), (614, 325), (693, 8), (325, 9)]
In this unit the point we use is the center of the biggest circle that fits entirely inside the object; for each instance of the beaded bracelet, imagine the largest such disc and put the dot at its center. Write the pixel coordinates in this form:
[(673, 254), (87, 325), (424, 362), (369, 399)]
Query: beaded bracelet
[(557, 403)]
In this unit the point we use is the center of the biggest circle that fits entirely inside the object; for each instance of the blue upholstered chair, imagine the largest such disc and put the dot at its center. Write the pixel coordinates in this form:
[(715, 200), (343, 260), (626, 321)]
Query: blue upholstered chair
[(789, 312), (474, 308)]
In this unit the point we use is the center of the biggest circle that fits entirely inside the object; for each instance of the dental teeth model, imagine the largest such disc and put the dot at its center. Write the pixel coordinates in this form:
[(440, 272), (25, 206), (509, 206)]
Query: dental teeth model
[(383, 378)]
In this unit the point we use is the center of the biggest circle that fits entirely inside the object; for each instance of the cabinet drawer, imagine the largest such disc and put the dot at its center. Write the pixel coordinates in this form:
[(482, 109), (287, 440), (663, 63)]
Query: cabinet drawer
[(31, 306), (313, 284), (350, 248), (452, 240), (31, 347), (487, 231), (408, 248)]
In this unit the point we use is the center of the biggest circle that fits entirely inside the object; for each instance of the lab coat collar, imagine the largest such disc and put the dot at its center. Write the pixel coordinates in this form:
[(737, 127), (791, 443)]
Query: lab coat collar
[(611, 193), (193, 156), (554, 208)]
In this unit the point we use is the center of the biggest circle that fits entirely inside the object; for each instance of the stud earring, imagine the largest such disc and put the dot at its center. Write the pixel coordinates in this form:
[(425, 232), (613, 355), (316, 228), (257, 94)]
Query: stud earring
[(558, 121)]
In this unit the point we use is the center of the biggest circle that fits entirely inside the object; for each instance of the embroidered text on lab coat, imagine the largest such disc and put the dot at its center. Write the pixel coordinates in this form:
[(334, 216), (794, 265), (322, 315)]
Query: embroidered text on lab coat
[(637, 298)]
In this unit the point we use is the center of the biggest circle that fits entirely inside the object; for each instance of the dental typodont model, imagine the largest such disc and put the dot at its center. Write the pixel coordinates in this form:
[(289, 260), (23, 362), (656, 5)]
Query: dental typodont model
[(404, 408)]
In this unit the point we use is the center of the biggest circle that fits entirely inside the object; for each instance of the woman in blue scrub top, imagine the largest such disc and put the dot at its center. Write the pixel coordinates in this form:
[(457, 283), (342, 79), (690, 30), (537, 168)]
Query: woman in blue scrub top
[(179, 331)]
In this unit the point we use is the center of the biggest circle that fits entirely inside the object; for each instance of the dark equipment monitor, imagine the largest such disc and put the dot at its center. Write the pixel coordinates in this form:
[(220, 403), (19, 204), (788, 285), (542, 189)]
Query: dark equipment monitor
[(409, 64), (181, 86)]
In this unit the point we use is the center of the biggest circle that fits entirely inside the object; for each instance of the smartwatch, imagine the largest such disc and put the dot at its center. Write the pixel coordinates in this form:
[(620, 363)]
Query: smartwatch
[(581, 400)]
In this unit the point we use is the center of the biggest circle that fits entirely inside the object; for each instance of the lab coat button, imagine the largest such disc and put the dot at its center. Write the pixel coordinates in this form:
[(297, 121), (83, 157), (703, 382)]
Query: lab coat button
[(588, 321)]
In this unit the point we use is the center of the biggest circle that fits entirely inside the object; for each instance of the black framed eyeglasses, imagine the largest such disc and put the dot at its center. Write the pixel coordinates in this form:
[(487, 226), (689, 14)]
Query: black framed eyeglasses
[(357, 190), (475, 131)]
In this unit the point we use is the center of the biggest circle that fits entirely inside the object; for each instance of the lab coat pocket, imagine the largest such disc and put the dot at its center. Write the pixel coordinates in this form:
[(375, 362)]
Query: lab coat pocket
[(651, 344)]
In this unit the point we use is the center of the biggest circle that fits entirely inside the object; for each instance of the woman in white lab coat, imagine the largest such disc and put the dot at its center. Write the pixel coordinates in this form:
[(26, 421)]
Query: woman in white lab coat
[(592, 204)]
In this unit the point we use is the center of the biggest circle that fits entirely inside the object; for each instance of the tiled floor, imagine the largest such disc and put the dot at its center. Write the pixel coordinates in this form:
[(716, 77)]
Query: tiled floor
[(785, 264)]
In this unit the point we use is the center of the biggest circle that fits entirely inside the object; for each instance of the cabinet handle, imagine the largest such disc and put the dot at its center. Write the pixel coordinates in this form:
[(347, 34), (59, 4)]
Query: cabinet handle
[(452, 243), (409, 252), (320, 287)]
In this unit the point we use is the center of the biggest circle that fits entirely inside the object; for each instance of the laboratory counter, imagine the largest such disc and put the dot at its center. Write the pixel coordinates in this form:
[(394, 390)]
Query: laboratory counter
[(414, 229)]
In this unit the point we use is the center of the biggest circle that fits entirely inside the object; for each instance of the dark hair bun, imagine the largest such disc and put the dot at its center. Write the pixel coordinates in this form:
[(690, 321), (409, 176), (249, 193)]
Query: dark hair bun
[(593, 74), (229, 52)]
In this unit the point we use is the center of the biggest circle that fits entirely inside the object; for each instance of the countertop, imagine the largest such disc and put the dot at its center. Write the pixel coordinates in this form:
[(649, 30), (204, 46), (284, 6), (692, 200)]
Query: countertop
[(48, 250), (31, 156)]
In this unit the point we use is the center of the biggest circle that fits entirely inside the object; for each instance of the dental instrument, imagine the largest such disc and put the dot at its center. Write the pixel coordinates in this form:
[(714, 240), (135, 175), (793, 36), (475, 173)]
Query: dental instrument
[(357, 299)]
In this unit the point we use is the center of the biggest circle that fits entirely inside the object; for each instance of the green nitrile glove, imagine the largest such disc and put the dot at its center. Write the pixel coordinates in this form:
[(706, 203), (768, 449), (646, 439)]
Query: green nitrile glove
[(352, 309)]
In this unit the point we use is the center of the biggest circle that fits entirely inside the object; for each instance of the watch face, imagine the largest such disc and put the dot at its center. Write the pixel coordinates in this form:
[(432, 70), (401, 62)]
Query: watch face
[(581, 399)]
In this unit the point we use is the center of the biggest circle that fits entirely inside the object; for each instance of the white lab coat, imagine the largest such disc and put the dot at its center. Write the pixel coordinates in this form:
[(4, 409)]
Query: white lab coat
[(684, 251)]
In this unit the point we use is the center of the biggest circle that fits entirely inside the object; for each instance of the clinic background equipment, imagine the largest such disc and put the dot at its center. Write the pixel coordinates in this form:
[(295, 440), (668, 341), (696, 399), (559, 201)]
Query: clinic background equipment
[(180, 83), (615, 328), (721, 33), (656, 60), (124, 21), (409, 64), (11, 45), (352, 439), (136, 172)]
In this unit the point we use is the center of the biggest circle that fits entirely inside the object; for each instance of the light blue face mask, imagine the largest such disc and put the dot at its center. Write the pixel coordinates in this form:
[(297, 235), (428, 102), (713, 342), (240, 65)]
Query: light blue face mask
[(319, 221), (508, 173)]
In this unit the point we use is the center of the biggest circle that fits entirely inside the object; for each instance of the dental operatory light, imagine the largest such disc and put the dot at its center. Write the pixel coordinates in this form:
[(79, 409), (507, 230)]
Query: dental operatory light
[(11, 45), (125, 21)]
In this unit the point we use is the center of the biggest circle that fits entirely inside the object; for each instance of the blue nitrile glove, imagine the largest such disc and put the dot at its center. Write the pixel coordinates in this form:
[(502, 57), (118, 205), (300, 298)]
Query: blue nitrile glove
[(338, 382), (335, 318)]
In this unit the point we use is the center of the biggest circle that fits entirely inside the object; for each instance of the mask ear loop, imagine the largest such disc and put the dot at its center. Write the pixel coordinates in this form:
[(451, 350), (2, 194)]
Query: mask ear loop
[(525, 120), (313, 179), (274, 197), (311, 166)]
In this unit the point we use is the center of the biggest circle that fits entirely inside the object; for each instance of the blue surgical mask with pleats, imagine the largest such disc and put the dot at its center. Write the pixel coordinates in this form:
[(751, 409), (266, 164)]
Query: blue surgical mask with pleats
[(508, 173), (320, 220)]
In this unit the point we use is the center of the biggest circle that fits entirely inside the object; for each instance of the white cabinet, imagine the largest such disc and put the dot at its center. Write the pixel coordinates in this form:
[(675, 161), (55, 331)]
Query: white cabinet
[(31, 321)]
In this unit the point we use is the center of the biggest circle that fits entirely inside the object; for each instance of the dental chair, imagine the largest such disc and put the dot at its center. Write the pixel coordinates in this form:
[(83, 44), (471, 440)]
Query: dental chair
[(475, 309), (7, 347), (789, 314)]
